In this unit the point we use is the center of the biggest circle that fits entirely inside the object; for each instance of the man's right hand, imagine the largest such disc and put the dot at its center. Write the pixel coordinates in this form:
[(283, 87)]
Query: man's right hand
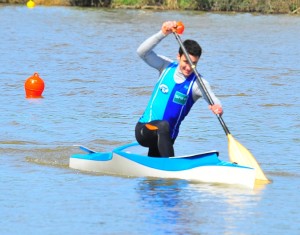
[(169, 27)]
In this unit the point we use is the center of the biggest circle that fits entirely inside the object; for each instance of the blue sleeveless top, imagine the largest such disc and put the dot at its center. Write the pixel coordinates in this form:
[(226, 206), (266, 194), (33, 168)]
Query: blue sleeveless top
[(170, 101)]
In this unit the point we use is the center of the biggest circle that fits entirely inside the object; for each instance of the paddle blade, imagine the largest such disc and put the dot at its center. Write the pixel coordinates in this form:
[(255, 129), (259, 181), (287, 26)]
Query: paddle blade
[(242, 156)]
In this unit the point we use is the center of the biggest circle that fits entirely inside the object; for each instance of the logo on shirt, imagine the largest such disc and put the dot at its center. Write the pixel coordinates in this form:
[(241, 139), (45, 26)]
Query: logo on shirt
[(180, 98), (164, 89)]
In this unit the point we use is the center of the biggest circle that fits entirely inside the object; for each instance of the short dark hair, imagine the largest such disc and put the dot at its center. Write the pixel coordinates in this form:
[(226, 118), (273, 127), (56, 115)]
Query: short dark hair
[(192, 47)]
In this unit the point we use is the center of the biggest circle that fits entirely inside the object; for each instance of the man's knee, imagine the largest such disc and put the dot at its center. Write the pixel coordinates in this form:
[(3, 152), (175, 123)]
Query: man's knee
[(163, 126)]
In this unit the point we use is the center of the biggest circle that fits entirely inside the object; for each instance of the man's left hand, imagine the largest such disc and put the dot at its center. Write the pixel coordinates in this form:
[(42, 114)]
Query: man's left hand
[(216, 109)]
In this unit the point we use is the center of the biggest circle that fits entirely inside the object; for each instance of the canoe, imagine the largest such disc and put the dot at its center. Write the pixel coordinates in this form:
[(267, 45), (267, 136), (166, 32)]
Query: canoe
[(131, 160)]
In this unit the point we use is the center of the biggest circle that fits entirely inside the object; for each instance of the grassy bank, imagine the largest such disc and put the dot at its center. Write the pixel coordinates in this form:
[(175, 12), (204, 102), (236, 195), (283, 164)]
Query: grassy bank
[(263, 6), (260, 6)]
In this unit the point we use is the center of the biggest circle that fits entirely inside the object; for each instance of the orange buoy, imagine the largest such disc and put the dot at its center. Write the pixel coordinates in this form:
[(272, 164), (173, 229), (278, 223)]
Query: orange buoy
[(34, 86)]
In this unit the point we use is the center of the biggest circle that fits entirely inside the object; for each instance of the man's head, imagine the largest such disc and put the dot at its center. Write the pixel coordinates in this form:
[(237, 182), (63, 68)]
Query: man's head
[(192, 47), (194, 50)]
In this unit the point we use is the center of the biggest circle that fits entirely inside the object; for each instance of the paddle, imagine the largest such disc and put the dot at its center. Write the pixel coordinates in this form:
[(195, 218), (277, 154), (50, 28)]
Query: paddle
[(237, 152)]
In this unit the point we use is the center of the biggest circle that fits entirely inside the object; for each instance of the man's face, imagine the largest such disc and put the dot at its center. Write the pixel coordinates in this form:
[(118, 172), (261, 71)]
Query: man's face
[(184, 65)]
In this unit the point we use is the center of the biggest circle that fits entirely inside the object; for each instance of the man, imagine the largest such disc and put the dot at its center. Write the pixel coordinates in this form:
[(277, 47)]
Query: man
[(174, 94)]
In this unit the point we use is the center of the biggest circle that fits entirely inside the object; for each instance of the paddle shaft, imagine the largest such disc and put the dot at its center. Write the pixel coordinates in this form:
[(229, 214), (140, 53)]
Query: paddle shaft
[(210, 100)]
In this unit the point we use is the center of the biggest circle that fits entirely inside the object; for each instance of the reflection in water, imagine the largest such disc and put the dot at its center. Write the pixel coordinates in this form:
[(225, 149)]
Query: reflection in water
[(162, 194), (186, 208), (164, 203), (231, 203)]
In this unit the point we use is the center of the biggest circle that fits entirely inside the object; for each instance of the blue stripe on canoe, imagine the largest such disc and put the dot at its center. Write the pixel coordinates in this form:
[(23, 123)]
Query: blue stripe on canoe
[(163, 163), (174, 164), (97, 156)]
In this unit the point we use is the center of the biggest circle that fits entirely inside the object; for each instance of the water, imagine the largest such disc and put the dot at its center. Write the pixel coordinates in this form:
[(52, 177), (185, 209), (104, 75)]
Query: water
[(96, 89)]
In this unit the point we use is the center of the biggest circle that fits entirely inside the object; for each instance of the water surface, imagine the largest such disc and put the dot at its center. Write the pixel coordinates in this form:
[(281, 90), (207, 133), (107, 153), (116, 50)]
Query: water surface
[(96, 89)]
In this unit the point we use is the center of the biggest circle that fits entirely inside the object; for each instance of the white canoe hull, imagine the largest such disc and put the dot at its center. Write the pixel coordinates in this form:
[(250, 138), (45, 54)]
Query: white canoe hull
[(123, 162)]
